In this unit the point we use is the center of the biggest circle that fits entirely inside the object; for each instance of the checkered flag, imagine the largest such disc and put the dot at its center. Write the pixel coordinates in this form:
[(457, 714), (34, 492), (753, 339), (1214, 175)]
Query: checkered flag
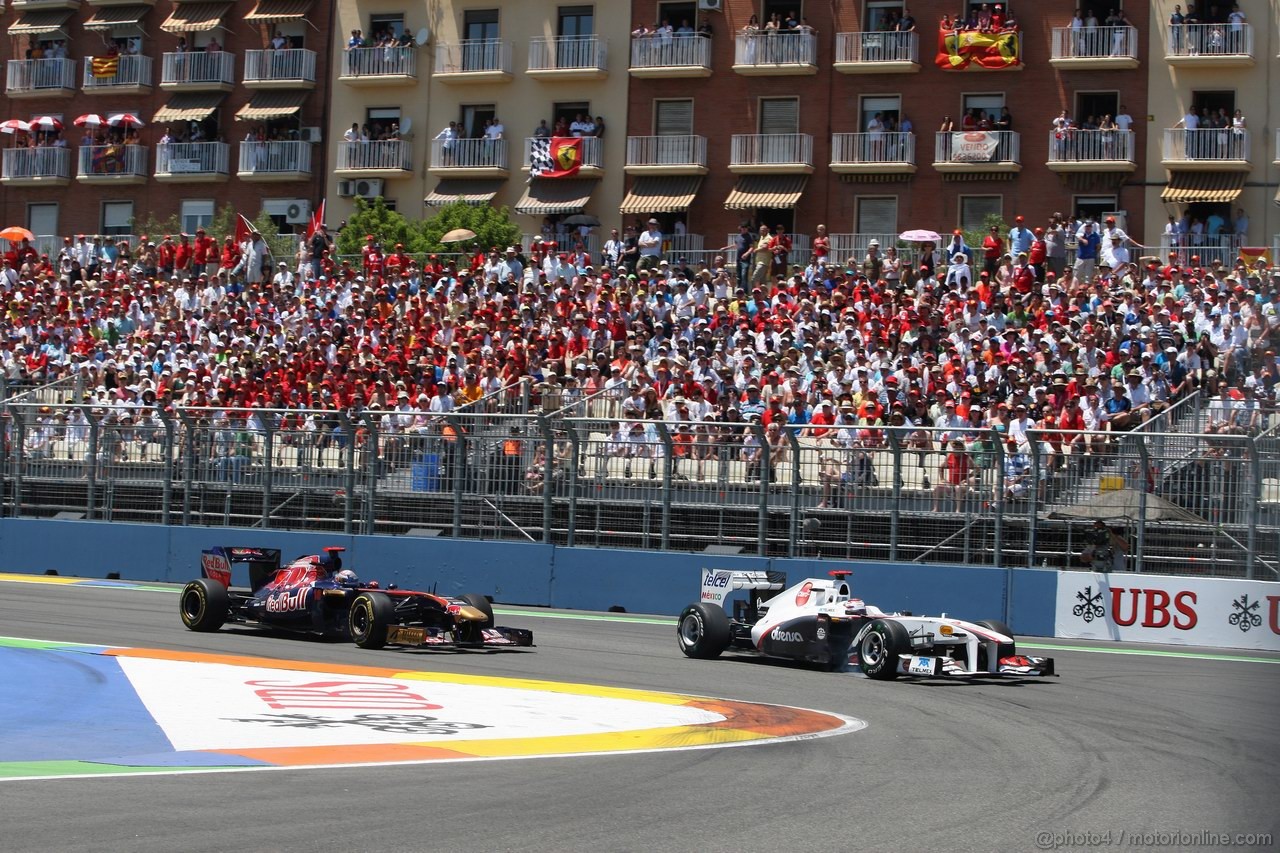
[(540, 158)]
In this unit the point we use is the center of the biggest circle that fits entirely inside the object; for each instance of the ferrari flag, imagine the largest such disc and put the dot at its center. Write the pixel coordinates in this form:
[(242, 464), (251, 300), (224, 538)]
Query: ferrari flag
[(959, 50), (105, 66), (557, 157)]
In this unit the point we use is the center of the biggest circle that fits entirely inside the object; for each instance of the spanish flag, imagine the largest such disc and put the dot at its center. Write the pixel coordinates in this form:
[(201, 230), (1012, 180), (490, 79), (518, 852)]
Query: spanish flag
[(1251, 256), (106, 66), (971, 49)]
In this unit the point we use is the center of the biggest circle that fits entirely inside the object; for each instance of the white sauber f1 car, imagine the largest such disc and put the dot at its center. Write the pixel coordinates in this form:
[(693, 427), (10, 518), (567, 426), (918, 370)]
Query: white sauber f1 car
[(818, 621)]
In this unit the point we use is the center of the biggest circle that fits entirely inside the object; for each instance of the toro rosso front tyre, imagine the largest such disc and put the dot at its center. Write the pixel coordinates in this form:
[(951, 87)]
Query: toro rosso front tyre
[(204, 604), (472, 633), (881, 644), (370, 615), (703, 631)]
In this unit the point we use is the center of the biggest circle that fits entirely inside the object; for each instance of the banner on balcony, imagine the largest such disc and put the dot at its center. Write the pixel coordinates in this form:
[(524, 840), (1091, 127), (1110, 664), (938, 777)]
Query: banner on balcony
[(106, 66), (1251, 255), (975, 146), (959, 50), (557, 157)]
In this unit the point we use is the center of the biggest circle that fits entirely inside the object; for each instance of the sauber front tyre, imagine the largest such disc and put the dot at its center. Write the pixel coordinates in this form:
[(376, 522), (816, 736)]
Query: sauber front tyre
[(703, 631), (882, 643)]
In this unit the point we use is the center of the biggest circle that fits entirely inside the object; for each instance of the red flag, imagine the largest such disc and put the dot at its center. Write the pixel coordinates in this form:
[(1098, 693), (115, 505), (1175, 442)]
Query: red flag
[(559, 157), (317, 219), (243, 228)]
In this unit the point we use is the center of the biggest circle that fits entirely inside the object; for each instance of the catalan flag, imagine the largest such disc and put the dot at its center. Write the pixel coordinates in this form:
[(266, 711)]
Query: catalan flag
[(106, 66)]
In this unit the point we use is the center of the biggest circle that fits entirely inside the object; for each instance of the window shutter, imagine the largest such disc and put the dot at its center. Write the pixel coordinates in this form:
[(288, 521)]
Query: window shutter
[(780, 115), (673, 118)]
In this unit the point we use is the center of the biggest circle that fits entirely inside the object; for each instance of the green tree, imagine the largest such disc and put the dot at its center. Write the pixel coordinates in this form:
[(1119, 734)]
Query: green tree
[(223, 223), (155, 227), (373, 217), (973, 239), (492, 227)]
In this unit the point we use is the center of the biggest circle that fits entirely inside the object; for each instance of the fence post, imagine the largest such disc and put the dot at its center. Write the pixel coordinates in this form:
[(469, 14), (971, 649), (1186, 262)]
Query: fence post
[(461, 449), (91, 499), (998, 500), (793, 439), (349, 478), (1255, 497), (1033, 511), (189, 463), (1144, 460), (762, 521), (373, 466), (895, 511), (166, 497), (668, 462), (268, 471), (575, 455), (19, 458), (548, 437)]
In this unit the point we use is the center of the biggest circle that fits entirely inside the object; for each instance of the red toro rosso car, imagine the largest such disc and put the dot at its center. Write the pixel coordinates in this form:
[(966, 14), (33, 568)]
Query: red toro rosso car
[(315, 595)]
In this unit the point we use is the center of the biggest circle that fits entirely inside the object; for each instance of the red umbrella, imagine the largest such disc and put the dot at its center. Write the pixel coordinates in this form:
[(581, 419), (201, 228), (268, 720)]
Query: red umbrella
[(13, 125), (125, 120), (89, 120), (45, 123)]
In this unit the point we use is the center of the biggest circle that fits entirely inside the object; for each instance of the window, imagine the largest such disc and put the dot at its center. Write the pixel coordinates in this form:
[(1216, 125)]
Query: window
[(294, 33), (888, 106), (1095, 207), (480, 24), (1092, 106), (779, 115), (782, 8), (1213, 102), (473, 118), (42, 218), (773, 217), (576, 21), (568, 111), (381, 120), (881, 15), (673, 118), (974, 210), (877, 215), (382, 24), (679, 14), (196, 213), (117, 217)]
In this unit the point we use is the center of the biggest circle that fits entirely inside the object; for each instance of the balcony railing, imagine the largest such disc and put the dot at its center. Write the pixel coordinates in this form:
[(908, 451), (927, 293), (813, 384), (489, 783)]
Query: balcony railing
[(383, 155), (592, 152), (279, 66), (132, 72), (34, 76), (1094, 43), (1208, 251), (872, 48), (771, 149), (1196, 41), (667, 151), (192, 159), (269, 158), (1207, 145), (112, 161), (469, 154), (1091, 146), (977, 148), (26, 164), (872, 148), (796, 49), (682, 50), (1276, 158), (566, 53), (380, 62), (474, 56), (198, 69)]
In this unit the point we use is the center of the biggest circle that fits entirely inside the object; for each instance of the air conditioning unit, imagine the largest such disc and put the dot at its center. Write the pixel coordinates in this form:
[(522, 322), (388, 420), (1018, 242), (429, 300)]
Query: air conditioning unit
[(711, 5), (346, 189), (298, 212), (309, 134), (368, 187)]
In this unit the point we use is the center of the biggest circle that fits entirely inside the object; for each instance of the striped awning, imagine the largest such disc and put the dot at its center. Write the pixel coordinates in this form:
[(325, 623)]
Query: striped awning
[(188, 106), (661, 194), (777, 191), (474, 193), (113, 17), (196, 17), (1196, 187), (40, 22), (553, 196), (268, 105), (277, 11)]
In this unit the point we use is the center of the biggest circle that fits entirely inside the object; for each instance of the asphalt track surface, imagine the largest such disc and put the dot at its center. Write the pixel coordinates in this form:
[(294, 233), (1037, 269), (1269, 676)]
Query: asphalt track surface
[(1121, 743)]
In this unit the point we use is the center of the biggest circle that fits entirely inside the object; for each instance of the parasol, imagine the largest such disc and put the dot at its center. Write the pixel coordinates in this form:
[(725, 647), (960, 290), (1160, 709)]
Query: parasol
[(458, 235)]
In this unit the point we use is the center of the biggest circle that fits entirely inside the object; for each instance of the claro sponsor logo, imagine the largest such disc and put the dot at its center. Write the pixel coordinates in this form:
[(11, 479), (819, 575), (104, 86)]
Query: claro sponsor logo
[(802, 597), (780, 636), (288, 602)]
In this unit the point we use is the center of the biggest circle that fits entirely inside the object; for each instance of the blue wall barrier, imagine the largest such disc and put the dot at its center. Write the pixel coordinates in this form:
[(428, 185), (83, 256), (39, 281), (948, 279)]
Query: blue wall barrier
[(524, 573)]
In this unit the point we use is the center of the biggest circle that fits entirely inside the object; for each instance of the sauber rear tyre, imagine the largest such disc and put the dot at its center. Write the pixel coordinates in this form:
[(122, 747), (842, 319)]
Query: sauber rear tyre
[(204, 604), (367, 620), (1003, 650), (703, 631), (881, 645)]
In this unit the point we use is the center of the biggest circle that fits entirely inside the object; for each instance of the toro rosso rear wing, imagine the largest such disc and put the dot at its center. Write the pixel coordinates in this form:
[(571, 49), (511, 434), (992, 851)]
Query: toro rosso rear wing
[(718, 583), (262, 563)]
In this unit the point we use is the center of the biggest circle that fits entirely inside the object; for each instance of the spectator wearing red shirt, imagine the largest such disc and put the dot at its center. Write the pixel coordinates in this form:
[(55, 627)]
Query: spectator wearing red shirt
[(204, 254), (182, 256), (992, 249)]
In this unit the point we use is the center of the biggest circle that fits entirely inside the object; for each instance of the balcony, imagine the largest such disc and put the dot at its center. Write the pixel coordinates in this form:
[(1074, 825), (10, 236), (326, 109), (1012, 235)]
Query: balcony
[(112, 164), (877, 53), (568, 58), (1275, 154), (1094, 49), (469, 158), (474, 61), (592, 156), (192, 162), (274, 161), (983, 152), (771, 154), (1210, 45), (33, 5), (198, 72), (666, 155), (1210, 150), (280, 69), (98, 4), (391, 158), (40, 78), (873, 153), (132, 76), (380, 66), (784, 53), (36, 167), (682, 55), (1092, 151)]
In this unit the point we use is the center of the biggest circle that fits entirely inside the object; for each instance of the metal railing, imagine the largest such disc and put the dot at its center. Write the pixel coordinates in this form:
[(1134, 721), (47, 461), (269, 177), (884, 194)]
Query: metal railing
[(780, 149), (198, 68), (1077, 146), (667, 151), (192, 158), (27, 163), (112, 160), (1094, 43), (380, 62), (1219, 143), (258, 158), (130, 71), (473, 56), (780, 49), (592, 152), (855, 148), (852, 248), (267, 66), (390, 154), (32, 75), (681, 50), (987, 146), (1190, 40), (1207, 251), (877, 47), (469, 154), (561, 53)]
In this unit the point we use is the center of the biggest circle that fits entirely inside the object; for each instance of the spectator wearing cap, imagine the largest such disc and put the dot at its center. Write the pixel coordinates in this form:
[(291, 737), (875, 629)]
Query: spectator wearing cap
[(992, 251), (1088, 244), (1020, 238), (650, 245)]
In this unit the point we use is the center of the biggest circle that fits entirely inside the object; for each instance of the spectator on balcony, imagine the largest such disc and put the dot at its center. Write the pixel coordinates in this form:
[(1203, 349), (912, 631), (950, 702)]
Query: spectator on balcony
[(598, 124), (356, 40), (561, 128), (751, 35), (448, 139), (705, 31), (213, 46), (1235, 42), (542, 131), (906, 23)]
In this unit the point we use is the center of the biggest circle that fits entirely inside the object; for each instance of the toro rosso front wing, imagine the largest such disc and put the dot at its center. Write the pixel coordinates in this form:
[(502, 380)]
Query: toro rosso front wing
[(417, 635), (930, 666)]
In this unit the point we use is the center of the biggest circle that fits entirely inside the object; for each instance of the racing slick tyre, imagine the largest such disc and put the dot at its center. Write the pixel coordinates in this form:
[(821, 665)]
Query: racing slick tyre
[(703, 631), (472, 632), (367, 620), (204, 604), (1003, 650), (879, 649)]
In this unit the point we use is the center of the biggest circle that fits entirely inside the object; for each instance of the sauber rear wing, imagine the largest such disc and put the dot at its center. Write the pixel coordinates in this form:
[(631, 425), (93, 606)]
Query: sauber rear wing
[(718, 583), (262, 563)]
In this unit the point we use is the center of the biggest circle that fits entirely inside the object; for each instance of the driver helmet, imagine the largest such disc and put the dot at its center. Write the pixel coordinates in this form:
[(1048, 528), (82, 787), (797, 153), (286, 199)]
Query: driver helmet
[(855, 606), (346, 577)]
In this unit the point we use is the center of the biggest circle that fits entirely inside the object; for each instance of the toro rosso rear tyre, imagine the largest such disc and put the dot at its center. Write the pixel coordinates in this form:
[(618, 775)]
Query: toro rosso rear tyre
[(204, 604), (703, 631), (367, 620), (1003, 650), (881, 645)]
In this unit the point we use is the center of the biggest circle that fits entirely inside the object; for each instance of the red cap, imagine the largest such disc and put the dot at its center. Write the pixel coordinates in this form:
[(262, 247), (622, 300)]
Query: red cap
[(1018, 219)]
